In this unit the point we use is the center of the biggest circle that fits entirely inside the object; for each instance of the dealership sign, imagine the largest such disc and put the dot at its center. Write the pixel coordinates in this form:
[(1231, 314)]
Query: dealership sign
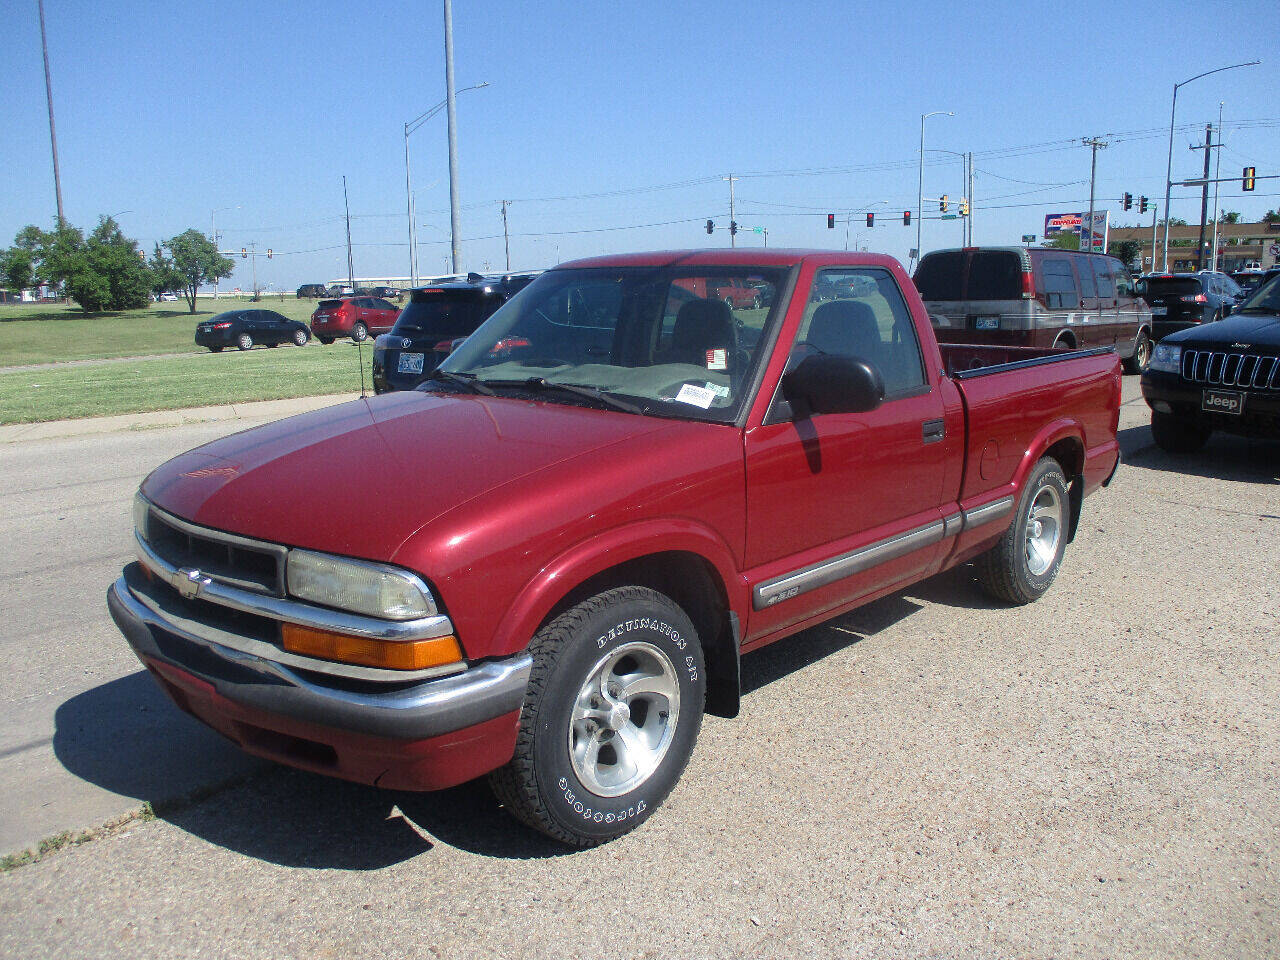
[(1077, 223)]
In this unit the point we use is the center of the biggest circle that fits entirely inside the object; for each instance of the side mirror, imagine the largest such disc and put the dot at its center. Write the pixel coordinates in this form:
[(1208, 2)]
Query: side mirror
[(830, 383)]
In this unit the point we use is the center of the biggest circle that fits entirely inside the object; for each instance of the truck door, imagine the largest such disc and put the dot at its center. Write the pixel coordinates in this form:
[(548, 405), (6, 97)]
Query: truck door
[(840, 505)]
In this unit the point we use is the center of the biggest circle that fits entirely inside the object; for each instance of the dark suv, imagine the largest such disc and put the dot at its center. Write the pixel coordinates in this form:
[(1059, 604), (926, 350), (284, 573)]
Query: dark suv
[(1218, 376), (1181, 300), (430, 322)]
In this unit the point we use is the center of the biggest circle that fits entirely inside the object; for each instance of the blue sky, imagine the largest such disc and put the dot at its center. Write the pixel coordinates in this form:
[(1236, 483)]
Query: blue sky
[(608, 115)]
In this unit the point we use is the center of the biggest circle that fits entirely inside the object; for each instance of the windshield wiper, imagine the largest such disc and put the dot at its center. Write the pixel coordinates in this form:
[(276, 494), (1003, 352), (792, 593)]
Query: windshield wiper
[(467, 380), (540, 384)]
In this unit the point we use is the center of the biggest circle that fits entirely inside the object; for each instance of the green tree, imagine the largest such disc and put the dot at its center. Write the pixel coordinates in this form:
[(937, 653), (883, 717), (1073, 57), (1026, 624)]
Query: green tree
[(197, 261), (1229, 216), (108, 271), (165, 277), (17, 268), (1065, 241), (1128, 251), (1271, 216)]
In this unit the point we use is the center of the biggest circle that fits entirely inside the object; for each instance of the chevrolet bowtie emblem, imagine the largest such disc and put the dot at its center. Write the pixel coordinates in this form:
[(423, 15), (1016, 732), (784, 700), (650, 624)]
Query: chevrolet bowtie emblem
[(189, 582)]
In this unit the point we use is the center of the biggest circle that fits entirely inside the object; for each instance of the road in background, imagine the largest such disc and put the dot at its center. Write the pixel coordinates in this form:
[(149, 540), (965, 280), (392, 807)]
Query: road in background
[(931, 775)]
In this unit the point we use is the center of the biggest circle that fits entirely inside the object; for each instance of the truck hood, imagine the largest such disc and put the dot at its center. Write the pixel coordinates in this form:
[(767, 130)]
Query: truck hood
[(358, 478), (1258, 330)]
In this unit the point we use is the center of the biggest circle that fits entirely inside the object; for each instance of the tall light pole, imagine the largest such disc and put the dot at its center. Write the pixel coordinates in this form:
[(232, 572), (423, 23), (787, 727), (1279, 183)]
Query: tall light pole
[(1168, 174), (1217, 173), (451, 97), (409, 128), (964, 175), (53, 134), (920, 190), (849, 216), (213, 219)]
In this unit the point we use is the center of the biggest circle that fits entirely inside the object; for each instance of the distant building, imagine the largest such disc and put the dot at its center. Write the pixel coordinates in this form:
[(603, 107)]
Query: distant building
[(1239, 244)]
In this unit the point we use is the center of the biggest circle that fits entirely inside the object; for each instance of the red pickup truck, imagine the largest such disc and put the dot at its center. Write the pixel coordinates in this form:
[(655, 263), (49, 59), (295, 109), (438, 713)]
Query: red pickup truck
[(552, 556)]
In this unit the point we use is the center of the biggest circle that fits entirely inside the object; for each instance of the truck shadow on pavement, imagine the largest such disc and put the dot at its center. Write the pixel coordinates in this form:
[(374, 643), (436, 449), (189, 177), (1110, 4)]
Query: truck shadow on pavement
[(1224, 457), (126, 737)]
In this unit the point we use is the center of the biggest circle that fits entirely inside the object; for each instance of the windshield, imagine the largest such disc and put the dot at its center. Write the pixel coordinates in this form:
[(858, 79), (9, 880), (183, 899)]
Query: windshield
[(1265, 298), (672, 341)]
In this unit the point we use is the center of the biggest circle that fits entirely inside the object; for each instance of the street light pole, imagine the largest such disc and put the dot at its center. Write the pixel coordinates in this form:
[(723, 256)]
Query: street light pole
[(409, 128), (1168, 175), (450, 98), (1217, 173), (53, 134), (920, 185)]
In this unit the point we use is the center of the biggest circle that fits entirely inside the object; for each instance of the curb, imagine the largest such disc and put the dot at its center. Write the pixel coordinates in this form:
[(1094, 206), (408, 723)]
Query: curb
[(257, 410)]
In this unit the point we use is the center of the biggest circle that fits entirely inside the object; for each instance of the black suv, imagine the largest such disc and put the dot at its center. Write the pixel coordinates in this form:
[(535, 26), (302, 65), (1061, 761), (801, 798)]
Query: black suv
[(431, 321), (1222, 376), (1180, 300)]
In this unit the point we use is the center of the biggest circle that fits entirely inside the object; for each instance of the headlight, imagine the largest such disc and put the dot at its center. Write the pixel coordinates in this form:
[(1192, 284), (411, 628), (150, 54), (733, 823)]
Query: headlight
[(1166, 357), (373, 589), (141, 510)]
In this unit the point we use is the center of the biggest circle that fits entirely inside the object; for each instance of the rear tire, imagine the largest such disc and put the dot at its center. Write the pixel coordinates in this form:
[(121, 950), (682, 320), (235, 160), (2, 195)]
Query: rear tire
[(359, 333), (325, 340), (1025, 561), (244, 342), (215, 349), (611, 713), (1174, 434), (1141, 358)]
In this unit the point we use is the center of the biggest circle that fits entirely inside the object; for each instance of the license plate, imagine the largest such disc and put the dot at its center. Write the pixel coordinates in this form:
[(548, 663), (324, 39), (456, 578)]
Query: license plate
[(410, 363), (1159, 311), (986, 323), (1222, 401)]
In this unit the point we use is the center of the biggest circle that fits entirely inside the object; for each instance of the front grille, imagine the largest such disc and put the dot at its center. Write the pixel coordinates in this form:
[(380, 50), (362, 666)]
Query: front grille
[(228, 559), (1231, 369)]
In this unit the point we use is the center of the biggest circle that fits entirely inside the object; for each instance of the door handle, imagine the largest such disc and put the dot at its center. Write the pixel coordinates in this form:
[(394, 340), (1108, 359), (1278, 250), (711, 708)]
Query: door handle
[(933, 430)]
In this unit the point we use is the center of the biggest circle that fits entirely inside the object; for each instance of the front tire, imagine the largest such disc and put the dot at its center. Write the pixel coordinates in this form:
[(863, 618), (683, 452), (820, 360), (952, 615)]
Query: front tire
[(1025, 561), (1174, 434), (215, 349), (300, 337), (611, 714), (244, 342)]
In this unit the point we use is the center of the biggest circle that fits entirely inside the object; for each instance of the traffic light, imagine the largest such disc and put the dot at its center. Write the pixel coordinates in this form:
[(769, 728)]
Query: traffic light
[(942, 204), (1249, 173), (244, 252), (711, 226), (733, 228), (1128, 201), (1143, 203), (871, 219), (831, 221), (906, 218), (964, 206), (268, 253)]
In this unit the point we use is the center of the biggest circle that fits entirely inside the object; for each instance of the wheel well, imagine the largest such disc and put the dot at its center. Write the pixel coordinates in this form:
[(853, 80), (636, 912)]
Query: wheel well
[(1070, 456), (693, 584), (1065, 337)]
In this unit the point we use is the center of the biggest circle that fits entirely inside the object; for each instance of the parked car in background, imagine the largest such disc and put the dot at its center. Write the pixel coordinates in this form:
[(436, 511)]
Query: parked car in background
[(245, 329), (312, 290), (167, 297), (433, 319), (1181, 300), (1218, 376), (387, 293), (354, 317), (1248, 280), (1035, 297)]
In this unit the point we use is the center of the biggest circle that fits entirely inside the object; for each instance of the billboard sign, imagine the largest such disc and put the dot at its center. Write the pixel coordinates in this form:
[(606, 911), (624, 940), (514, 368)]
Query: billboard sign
[(1077, 223)]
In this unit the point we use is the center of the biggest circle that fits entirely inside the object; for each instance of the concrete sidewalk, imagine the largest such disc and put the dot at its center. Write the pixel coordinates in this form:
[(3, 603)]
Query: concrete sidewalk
[(259, 410)]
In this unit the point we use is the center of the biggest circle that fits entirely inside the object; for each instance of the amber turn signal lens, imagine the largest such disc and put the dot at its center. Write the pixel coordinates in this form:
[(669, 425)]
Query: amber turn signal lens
[(387, 654)]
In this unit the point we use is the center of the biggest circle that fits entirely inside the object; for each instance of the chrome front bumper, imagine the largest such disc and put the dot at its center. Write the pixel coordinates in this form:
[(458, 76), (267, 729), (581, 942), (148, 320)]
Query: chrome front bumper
[(412, 711)]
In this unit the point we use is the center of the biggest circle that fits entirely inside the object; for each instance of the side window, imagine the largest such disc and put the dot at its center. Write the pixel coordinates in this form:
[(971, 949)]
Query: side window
[(859, 312), (1124, 282), (1085, 274), (1059, 284), (1102, 271)]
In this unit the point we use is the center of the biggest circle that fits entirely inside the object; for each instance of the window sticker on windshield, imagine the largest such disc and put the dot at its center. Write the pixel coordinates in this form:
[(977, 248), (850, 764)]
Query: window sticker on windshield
[(717, 359), (719, 389), (698, 396)]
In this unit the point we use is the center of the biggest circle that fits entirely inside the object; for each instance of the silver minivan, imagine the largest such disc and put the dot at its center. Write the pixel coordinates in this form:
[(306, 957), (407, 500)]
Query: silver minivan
[(1035, 297)]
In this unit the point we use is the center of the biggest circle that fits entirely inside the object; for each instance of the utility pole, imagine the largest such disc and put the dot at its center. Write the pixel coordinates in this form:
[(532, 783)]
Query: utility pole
[(506, 239), (1217, 172), (53, 134), (1096, 144), (351, 270), (454, 229), (1153, 235), (733, 240), (1204, 193), (408, 203), (970, 217)]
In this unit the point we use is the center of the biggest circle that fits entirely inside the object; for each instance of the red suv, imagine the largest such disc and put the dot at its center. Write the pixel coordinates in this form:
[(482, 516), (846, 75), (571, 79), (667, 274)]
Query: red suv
[(354, 317)]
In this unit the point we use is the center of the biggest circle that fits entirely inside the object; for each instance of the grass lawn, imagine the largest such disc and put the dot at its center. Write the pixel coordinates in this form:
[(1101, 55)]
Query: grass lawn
[(41, 333), (167, 383)]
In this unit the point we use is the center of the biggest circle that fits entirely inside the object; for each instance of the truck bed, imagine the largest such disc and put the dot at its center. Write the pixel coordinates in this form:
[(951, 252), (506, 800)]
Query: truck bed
[(963, 361)]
